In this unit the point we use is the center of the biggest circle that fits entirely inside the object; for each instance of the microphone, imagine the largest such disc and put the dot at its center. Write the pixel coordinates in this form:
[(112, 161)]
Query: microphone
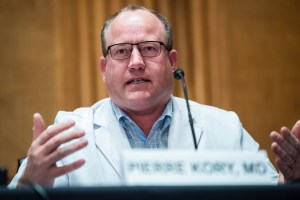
[(179, 75)]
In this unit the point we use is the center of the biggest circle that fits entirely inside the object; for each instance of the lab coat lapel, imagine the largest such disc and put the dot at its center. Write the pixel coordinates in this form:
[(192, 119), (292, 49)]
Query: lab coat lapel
[(110, 137), (180, 134)]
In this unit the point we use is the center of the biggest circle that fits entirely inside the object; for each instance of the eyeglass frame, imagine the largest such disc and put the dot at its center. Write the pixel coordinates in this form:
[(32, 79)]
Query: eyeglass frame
[(161, 44)]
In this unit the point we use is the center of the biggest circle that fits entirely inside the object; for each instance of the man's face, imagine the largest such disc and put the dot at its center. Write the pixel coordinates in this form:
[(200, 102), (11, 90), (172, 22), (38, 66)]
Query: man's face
[(138, 83)]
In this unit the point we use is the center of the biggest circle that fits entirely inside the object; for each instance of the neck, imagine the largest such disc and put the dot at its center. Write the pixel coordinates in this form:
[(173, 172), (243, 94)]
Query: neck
[(146, 119)]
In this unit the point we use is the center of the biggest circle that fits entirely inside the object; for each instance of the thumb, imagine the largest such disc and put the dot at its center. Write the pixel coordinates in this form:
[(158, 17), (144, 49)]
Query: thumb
[(296, 130), (38, 125)]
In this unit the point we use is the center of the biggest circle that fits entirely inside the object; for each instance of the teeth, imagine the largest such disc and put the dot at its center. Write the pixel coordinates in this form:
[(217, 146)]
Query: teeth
[(137, 81)]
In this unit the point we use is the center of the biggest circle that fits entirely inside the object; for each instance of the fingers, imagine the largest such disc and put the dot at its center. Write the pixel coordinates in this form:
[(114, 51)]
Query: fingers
[(40, 132), (283, 155), (62, 152), (296, 130), (46, 150), (59, 171), (52, 131), (286, 148), (290, 138), (38, 125), (59, 139), (284, 169), (49, 146)]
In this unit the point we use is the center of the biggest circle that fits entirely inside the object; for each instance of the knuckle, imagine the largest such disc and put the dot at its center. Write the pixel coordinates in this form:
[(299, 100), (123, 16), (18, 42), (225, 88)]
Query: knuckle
[(33, 155), (57, 141), (60, 152)]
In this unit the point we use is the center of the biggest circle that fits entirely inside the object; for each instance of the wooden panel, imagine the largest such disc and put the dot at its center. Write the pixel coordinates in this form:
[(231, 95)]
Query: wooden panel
[(255, 48), (27, 75), (67, 43)]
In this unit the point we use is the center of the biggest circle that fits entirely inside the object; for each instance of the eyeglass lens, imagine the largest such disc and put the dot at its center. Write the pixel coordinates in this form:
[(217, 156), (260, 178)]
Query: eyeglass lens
[(146, 49)]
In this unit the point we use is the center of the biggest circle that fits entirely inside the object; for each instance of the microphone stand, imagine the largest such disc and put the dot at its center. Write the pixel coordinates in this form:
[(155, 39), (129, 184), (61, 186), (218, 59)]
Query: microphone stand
[(179, 74)]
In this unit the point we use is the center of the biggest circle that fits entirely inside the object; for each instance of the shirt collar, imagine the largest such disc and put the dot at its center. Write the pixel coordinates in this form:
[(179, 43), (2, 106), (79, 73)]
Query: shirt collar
[(120, 114)]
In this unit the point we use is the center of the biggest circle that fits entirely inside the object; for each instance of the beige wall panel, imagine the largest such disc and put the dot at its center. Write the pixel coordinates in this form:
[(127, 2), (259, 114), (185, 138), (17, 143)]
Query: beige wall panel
[(27, 76), (256, 68)]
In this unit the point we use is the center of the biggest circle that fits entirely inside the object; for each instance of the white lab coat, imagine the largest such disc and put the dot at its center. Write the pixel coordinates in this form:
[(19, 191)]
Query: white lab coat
[(216, 130)]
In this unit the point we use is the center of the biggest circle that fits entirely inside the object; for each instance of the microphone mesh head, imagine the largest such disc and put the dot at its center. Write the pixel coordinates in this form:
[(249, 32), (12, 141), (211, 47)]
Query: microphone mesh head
[(178, 74)]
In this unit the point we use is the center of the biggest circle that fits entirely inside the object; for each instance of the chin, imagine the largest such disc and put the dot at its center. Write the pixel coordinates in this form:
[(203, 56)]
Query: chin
[(139, 100), (139, 96)]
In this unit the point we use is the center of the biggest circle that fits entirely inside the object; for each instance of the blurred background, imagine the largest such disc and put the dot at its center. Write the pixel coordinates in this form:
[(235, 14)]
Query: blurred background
[(240, 55)]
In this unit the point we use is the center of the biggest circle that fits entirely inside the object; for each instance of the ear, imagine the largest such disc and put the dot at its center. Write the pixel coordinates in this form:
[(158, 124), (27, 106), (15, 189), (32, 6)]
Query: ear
[(173, 58), (102, 67)]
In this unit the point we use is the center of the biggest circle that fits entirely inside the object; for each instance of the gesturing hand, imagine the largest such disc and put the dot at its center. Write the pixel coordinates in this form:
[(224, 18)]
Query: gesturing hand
[(44, 152), (286, 146)]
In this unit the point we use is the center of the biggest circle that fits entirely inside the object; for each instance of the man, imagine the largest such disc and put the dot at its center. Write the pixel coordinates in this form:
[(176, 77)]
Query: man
[(83, 148)]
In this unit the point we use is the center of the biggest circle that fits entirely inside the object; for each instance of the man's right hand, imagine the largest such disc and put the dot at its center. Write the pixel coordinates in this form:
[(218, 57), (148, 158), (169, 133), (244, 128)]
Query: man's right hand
[(44, 152)]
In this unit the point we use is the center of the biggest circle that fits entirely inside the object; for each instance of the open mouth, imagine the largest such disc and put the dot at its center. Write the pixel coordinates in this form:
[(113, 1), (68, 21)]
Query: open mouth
[(137, 81)]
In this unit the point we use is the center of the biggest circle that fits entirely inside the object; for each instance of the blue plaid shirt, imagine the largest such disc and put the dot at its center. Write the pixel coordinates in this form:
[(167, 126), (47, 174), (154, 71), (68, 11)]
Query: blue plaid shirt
[(158, 137)]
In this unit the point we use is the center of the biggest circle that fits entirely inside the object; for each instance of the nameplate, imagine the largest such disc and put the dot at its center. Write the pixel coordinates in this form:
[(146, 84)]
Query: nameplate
[(169, 167)]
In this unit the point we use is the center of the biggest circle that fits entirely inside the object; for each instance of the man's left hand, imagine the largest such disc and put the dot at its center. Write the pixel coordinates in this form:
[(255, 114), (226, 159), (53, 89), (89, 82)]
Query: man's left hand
[(286, 146)]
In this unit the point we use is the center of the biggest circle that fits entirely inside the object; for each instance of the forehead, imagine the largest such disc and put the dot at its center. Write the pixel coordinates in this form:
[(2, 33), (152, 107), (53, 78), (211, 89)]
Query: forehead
[(135, 26)]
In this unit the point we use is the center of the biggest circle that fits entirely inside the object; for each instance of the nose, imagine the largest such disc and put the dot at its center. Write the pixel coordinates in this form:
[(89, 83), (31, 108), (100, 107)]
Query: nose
[(136, 60)]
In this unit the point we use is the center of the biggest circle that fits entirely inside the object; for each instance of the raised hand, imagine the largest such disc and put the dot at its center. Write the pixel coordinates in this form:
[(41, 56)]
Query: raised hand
[(46, 150), (286, 146)]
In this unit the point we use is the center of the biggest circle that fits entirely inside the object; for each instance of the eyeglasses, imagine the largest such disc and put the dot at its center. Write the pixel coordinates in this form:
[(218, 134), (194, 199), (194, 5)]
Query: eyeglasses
[(123, 51)]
